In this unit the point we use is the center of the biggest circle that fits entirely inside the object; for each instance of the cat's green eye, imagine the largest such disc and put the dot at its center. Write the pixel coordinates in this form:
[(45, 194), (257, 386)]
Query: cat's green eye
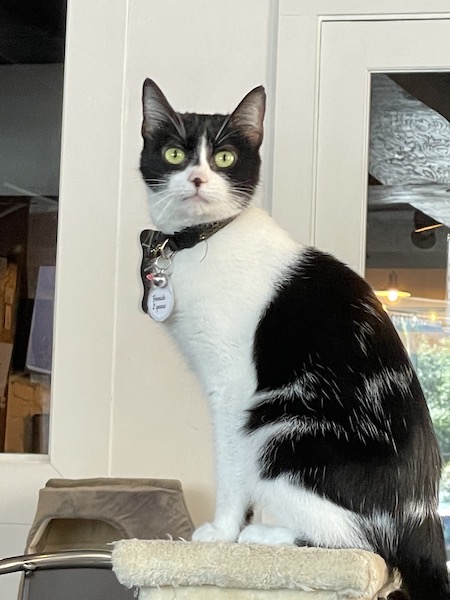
[(224, 159), (174, 156)]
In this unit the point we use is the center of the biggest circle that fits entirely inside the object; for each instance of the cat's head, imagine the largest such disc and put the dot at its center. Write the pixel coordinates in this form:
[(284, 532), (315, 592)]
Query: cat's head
[(199, 168)]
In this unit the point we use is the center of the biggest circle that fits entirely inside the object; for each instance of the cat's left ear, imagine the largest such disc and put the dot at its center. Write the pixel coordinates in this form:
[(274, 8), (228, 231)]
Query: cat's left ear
[(248, 117)]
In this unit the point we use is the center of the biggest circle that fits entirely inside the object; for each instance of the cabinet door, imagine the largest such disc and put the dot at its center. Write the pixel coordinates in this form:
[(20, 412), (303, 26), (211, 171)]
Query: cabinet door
[(85, 277), (350, 52)]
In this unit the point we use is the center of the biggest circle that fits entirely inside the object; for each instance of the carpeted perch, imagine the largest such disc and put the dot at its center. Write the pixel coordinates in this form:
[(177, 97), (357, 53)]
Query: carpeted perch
[(169, 570)]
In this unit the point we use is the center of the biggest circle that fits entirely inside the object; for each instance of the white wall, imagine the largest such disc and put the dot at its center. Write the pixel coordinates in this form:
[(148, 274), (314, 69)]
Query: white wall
[(205, 56)]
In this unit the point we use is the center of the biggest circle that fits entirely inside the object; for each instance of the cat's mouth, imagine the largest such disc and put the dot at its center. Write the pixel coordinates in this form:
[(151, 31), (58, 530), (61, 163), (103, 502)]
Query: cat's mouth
[(197, 197)]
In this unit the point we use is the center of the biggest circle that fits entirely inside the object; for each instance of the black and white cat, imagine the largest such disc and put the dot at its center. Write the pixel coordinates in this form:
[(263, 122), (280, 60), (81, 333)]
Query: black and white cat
[(318, 415)]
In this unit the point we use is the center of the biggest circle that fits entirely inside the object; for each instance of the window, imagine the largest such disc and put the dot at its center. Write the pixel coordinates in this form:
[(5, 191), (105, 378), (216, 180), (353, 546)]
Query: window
[(408, 228), (31, 71)]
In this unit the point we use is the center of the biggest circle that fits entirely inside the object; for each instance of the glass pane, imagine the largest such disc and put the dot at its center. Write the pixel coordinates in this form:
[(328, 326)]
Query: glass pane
[(408, 229), (32, 36)]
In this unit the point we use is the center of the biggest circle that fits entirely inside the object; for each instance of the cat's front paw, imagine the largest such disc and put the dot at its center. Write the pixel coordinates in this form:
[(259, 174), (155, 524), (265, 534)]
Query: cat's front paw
[(208, 532), (266, 534)]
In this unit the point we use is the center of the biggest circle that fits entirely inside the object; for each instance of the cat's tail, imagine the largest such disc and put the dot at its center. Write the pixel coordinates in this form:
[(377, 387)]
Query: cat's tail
[(421, 560)]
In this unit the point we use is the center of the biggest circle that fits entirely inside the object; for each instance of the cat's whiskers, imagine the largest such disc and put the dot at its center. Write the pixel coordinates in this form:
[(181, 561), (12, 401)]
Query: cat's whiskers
[(177, 122), (156, 182), (218, 139), (239, 195), (242, 192), (244, 187), (160, 198), (167, 198), (230, 133)]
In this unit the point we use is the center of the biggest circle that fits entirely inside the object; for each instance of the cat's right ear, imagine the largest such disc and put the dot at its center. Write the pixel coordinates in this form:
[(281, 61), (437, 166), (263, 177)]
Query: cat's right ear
[(156, 110)]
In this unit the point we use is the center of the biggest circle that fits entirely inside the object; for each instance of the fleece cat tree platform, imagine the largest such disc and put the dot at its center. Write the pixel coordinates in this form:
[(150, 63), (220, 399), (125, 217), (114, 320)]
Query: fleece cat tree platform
[(177, 570)]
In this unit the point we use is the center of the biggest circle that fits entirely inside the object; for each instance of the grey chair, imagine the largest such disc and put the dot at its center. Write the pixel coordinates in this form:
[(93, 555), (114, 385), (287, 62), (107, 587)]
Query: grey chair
[(67, 575)]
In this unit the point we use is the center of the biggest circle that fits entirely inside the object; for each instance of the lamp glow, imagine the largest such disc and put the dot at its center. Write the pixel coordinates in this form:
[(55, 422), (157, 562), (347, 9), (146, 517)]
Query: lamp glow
[(391, 292)]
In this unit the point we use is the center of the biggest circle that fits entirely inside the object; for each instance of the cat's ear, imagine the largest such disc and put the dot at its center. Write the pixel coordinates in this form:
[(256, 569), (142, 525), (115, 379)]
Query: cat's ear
[(248, 117), (157, 110)]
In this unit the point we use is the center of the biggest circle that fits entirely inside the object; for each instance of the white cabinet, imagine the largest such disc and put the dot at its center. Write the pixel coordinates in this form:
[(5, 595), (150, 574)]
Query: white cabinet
[(85, 295), (325, 60)]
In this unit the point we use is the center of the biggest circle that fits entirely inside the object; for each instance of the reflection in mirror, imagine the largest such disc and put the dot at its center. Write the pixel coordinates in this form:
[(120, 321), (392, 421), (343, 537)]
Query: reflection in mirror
[(408, 227), (31, 71)]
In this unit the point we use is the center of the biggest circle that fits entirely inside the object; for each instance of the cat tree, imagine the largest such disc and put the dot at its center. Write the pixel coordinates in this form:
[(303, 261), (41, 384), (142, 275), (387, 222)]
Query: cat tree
[(177, 570)]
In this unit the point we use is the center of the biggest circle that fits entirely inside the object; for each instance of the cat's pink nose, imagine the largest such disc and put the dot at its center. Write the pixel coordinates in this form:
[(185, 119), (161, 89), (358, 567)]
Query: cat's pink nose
[(198, 176)]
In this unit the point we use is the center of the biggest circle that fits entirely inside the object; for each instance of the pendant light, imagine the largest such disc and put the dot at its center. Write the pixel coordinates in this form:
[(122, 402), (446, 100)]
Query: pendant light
[(392, 293)]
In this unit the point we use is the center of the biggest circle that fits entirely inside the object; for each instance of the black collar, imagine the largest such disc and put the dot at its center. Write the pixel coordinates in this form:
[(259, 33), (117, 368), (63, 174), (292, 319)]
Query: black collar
[(153, 242)]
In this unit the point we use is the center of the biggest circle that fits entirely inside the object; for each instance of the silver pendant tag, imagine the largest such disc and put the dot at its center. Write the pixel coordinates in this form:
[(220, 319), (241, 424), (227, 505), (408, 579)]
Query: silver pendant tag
[(160, 301)]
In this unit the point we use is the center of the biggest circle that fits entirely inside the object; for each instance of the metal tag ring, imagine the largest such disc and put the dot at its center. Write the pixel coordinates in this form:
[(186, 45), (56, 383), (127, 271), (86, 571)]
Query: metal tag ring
[(162, 263)]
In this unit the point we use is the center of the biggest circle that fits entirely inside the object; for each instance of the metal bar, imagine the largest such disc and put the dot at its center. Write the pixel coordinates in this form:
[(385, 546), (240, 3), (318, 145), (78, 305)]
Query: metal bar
[(67, 559)]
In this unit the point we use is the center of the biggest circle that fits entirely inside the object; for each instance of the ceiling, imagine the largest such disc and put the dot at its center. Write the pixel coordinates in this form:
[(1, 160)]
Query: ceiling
[(32, 31), (32, 38)]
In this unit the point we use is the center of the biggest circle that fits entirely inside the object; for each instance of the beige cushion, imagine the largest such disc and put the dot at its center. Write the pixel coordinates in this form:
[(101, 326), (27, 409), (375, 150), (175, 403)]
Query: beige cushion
[(165, 570)]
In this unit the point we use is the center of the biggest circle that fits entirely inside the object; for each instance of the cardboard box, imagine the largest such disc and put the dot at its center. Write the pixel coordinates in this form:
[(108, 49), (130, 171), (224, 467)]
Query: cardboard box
[(3, 265), (9, 296), (26, 398), (5, 365)]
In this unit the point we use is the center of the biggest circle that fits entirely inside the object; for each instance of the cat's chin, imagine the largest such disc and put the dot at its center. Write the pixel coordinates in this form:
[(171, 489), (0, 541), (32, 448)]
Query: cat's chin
[(189, 213), (196, 201)]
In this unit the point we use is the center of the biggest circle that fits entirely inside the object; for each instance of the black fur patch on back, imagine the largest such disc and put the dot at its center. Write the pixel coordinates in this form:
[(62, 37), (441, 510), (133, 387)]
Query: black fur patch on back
[(335, 378)]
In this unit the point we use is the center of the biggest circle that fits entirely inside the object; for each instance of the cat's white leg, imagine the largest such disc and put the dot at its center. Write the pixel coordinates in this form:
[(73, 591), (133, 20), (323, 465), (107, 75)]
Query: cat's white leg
[(266, 534), (217, 531), (228, 519), (235, 472), (231, 506)]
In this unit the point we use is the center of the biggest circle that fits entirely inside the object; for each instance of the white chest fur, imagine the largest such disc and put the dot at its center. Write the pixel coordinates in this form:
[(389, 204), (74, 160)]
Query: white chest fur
[(221, 287)]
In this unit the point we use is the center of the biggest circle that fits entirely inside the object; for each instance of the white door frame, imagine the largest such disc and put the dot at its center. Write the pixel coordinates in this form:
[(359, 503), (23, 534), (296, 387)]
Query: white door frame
[(301, 174)]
